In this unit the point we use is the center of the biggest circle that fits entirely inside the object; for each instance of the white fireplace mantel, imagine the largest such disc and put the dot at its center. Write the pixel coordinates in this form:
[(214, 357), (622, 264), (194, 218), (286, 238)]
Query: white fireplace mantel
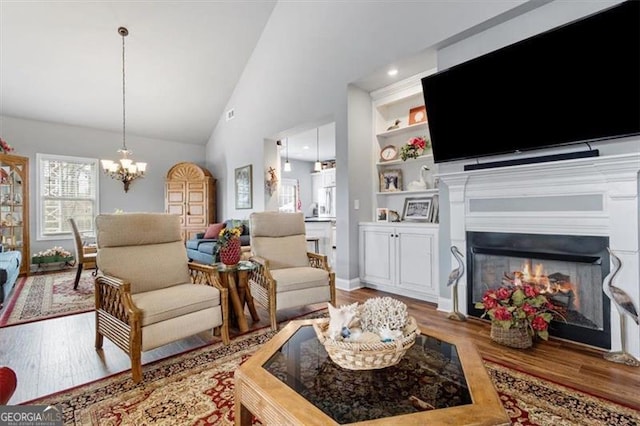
[(588, 196)]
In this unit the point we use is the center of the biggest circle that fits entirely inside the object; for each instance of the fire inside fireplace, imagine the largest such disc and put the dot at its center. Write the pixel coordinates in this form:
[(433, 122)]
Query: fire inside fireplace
[(568, 270)]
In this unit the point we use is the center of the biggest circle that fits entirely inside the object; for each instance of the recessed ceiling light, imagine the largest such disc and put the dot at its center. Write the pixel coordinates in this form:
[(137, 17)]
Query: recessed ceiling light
[(305, 147), (392, 72)]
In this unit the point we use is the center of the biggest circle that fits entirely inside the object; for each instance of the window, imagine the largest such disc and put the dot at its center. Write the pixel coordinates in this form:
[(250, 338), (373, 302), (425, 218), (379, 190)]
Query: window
[(289, 196), (67, 187)]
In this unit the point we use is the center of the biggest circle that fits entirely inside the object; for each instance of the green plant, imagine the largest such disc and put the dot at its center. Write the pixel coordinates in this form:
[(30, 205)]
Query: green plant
[(518, 306)]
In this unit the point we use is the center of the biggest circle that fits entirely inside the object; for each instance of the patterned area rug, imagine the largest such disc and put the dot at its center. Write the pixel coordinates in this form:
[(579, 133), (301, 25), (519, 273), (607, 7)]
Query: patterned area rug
[(196, 388), (48, 296)]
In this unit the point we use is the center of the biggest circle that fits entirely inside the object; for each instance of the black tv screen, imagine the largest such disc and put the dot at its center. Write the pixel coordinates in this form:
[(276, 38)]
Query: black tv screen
[(577, 83)]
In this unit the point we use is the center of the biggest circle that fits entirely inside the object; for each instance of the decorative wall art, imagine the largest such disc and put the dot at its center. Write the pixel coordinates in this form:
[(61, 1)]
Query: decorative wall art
[(243, 183)]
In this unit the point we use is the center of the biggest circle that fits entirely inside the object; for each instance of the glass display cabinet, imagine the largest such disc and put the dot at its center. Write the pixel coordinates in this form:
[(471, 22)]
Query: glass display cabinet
[(14, 206)]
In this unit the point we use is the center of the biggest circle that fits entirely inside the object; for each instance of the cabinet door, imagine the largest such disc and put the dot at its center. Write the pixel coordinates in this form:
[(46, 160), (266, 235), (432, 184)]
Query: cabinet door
[(415, 257), (377, 254), (196, 204), (329, 177), (176, 199)]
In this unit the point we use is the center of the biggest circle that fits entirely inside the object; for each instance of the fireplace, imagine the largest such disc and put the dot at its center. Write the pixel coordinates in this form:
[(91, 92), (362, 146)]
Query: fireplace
[(567, 269)]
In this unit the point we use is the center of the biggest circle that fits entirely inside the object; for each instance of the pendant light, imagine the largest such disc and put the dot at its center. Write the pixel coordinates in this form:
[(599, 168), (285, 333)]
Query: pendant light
[(318, 165), (124, 170), (287, 164)]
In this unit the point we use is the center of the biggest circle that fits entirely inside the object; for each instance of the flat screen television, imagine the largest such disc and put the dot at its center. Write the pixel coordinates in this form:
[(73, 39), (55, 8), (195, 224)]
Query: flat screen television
[(576, 83)]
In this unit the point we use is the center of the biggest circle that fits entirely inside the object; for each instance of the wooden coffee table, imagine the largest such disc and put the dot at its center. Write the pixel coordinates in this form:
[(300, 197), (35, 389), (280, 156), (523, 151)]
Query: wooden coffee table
[(291, 380)]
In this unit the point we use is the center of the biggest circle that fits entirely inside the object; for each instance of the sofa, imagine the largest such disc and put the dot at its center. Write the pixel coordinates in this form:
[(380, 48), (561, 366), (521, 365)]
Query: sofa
[(202, 248), (9, 270)]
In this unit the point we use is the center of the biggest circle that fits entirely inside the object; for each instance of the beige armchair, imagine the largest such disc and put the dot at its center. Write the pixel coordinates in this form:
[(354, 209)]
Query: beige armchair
[(287, 275), (147, 293)]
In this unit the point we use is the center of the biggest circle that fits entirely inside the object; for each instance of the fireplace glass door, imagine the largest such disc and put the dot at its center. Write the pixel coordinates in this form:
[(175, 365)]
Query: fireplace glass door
[(571, 279)]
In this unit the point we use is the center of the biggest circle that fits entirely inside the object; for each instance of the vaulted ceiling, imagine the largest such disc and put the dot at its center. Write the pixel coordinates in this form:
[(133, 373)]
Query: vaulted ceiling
[(61, 62)]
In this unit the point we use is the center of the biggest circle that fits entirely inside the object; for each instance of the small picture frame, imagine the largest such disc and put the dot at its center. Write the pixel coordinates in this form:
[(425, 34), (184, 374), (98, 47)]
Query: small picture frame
[(382, 214), (391, 180), (243, 187), (417, 209), (418, 115)]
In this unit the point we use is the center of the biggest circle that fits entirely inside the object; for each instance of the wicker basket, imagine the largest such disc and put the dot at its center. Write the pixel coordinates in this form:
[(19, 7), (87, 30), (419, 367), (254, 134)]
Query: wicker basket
[(367, 356), (515, 337)]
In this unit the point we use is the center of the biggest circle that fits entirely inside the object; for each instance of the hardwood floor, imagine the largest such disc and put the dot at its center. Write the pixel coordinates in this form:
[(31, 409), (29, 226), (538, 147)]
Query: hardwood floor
[(53, 355)]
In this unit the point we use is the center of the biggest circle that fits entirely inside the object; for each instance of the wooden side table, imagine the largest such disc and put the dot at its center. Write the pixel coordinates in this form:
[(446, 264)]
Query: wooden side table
[(236, 279)]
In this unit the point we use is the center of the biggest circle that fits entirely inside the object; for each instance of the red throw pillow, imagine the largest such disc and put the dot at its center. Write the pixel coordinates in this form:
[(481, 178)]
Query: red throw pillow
[(213, 230)]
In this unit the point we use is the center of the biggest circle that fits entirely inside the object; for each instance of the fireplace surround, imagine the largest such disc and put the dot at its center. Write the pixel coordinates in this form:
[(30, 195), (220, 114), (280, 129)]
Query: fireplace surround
[(589, 197)]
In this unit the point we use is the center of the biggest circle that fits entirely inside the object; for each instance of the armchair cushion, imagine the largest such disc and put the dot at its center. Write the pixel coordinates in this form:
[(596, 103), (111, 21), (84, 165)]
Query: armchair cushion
[(290, 279), (275, 236), (283, 252), (162, 263), (175, 301), (156, 266)]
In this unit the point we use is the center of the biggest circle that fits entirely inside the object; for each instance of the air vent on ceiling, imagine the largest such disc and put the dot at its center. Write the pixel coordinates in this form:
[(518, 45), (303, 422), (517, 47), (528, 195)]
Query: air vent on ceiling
[(231, 114)]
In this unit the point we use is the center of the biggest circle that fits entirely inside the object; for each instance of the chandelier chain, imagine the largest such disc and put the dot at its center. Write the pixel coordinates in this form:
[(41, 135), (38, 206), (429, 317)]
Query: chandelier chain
[(124, 142)]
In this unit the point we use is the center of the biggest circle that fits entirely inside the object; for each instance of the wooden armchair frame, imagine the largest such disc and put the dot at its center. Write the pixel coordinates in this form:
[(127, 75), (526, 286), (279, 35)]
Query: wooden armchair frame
[(118, 318), (263, 286)]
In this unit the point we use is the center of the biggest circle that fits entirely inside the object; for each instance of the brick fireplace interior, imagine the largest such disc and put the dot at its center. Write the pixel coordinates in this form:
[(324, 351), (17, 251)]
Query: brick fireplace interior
[(567, 269)]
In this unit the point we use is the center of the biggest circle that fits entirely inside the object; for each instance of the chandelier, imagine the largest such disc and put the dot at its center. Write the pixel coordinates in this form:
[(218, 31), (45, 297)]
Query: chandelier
[(124, 170)]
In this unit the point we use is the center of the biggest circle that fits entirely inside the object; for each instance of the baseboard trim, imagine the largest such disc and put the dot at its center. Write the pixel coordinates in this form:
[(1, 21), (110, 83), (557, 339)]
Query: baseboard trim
[(348, 285)]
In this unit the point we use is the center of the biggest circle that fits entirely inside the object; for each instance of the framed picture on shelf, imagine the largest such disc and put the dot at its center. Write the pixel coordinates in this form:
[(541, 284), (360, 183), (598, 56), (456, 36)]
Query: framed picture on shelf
[(391, 180), (382, 215), (417, 209), (243, 187), (417, 115)]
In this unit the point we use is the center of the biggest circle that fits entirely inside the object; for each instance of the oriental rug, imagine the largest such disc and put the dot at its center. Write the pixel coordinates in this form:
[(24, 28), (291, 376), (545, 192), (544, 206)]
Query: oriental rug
[(47, 296), (197, 388)]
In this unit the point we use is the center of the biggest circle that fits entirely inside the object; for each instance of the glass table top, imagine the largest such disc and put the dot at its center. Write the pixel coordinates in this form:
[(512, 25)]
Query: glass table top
[(243, 265), (428, 377)]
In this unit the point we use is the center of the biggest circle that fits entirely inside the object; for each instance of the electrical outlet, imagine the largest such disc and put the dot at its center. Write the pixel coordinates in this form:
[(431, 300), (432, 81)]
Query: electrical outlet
[(356, 204), (231, 114)]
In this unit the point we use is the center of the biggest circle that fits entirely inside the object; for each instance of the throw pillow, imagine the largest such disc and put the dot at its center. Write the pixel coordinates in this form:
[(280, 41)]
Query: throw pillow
[(213, 230)]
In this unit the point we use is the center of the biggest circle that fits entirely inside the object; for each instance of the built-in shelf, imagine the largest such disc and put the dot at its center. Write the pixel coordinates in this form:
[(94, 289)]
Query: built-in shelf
[(403, 130), (423, 191), (400, 161)]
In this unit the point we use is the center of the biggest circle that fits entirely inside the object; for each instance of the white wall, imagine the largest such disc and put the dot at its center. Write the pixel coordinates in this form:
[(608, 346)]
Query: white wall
[(299, 72), (29, 137)]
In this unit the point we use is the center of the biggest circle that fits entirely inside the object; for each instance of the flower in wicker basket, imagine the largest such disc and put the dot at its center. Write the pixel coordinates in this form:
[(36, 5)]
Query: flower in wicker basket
[(518, 308)]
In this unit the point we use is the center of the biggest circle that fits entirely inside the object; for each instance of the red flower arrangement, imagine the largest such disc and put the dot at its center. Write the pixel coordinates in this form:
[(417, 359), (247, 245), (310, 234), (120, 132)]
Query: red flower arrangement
[(518, 306), (413, 148)]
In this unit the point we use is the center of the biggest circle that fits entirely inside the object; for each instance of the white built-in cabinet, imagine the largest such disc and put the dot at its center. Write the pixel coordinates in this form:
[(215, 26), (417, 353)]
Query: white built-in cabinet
[(400, 258)]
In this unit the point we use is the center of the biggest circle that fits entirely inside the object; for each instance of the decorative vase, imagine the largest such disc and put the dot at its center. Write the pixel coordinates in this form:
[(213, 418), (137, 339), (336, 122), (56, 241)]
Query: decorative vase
[(230, 252), (514, 337)]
